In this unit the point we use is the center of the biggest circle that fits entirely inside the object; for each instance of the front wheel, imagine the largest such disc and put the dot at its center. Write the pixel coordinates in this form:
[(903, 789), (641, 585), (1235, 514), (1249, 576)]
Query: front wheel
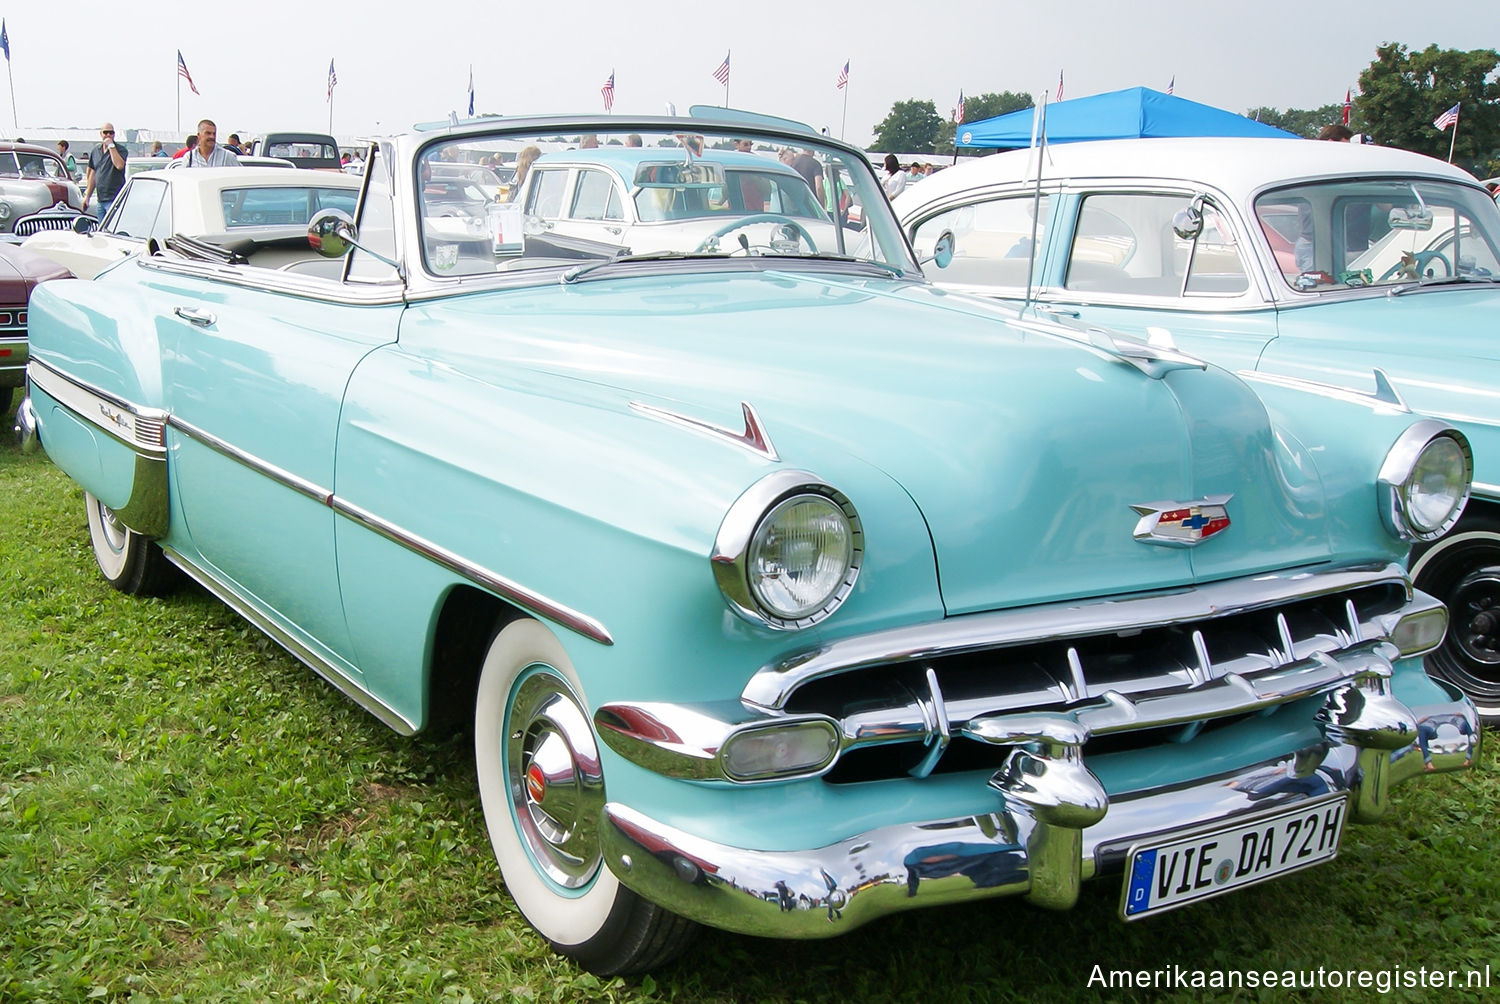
[(1462, 570), (129, 562), (542, 788)]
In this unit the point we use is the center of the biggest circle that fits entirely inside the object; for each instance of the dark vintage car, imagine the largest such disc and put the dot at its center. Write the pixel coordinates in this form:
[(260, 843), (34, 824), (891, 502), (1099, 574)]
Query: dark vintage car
[(32, 178), (20, 271), (316, 151)]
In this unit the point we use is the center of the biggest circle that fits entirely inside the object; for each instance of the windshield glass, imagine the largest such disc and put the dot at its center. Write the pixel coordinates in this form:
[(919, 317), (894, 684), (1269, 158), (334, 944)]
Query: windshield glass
[(1379, 231), (503, 202)]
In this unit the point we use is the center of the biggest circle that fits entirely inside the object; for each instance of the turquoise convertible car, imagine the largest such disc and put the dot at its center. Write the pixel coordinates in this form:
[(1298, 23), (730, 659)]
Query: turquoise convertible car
[(1317, 261), (780, 589)]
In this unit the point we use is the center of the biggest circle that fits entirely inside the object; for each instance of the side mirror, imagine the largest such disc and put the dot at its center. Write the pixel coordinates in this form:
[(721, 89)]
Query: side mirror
[(331, 233), (1187, 223), (942, 250)]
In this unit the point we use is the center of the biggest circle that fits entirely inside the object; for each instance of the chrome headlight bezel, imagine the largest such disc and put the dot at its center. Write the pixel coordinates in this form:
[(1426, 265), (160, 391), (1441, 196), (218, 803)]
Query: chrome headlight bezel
[(733, 561), (1403, 464)]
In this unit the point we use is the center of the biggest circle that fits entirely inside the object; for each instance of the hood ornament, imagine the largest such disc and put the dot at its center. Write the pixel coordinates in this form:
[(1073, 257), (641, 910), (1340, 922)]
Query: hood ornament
[(1182, 524)]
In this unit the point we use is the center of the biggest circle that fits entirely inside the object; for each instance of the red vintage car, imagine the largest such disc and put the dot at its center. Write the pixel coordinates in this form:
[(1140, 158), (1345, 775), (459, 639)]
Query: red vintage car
[(20, 271)]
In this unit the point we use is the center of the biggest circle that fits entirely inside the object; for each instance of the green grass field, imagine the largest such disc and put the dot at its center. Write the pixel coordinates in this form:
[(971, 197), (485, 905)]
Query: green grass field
[(187, 814)]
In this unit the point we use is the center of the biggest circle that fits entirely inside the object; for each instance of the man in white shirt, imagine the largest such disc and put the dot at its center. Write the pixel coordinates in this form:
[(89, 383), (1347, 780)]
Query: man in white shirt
[(208, 153)]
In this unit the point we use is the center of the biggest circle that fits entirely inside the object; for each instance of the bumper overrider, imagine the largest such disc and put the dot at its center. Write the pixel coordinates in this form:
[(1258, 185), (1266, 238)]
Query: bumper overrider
[(1054, 824)]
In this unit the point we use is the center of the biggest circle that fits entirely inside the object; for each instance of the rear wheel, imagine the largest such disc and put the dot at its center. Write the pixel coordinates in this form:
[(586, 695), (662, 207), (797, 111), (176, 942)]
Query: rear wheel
[(6, 395), (129, 562), (1462, 570), (542, 788)]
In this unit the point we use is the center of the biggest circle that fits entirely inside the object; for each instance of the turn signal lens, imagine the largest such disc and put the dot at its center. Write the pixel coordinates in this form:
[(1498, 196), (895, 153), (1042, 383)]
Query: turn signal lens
[(779, 751)]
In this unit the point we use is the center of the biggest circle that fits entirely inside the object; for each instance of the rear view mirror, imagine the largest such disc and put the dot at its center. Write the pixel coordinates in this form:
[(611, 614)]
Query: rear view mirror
[(1411, 218)]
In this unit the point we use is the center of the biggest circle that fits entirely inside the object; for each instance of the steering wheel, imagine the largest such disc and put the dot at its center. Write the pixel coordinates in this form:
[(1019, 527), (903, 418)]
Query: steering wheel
[(1424, 258), (759, 218)]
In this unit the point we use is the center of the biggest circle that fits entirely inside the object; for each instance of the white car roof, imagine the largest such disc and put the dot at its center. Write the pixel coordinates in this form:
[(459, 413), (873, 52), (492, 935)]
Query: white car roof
[(1237, 167)]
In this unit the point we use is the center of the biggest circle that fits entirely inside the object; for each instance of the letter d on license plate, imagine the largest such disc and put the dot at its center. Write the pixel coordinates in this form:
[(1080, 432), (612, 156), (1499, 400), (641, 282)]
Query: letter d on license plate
[(1184, 868)]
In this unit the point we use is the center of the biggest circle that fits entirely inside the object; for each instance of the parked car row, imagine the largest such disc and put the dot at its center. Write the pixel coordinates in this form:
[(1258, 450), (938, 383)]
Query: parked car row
[(781, 587)]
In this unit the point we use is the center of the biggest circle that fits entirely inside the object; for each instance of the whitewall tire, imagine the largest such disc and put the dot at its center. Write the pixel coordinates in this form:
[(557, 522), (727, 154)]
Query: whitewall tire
[(129, 562)]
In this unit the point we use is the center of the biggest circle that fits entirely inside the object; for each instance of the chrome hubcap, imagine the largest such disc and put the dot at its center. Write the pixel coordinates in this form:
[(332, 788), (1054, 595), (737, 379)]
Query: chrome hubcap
[(114, 530), (555, 781)]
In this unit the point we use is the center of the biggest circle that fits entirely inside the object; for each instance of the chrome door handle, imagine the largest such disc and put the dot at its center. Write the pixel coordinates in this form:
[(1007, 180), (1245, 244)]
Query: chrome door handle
[(613, 230), (193, 315), (1058, 311)]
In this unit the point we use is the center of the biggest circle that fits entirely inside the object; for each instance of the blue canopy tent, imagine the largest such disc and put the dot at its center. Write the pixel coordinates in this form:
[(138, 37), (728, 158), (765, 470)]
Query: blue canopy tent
[(1128, 114)]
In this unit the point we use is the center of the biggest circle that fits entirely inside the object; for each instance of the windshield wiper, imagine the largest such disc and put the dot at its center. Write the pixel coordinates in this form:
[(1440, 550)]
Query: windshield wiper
[(1452, 280), (572, 275)]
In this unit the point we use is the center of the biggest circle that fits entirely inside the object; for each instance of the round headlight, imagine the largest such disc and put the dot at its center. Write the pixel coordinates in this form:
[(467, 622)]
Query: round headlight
[(4, 210), (1438, 485), (799, 556), (1425, 481), (789, 551)]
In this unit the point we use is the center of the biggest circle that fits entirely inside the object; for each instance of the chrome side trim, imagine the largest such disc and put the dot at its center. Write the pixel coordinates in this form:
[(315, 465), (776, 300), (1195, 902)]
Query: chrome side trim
[(572, 619), (773, 684), (141, 430), (826, 891), (269, 280), (27, 437), (569, 618), (754, 438), (241, 605)]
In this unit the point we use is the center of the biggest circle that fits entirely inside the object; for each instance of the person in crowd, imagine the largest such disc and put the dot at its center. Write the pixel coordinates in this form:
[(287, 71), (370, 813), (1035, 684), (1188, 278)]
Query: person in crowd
[(106, 171), (234, 146), (895, 178), (208, 153), (187, 145), (744, 146), (72, 165), (1336, 132), (589, 143), (156, 149), (523, 167), (634, 139)]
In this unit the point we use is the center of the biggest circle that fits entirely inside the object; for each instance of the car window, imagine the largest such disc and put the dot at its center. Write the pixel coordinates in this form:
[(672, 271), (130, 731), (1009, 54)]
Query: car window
[(992, 241), (9, 168), (377, 223), (282, 205), (36, 165), (545, 198), (1124, 243), (596, 198), (143, 211), (1374, 231)]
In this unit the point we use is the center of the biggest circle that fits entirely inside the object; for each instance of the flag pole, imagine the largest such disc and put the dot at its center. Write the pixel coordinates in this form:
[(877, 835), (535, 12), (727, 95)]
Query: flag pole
[(15, 119), (1451, 139), (726, 78), (179, 100), (844, 120)]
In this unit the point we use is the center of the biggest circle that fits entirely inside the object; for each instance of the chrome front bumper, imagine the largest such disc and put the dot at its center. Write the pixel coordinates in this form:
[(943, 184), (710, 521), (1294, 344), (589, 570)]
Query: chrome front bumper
[(1053, 827)]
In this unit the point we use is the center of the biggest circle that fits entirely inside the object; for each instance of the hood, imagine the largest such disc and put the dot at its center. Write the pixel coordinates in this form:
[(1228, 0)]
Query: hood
[(21, 270), (1024, 451)]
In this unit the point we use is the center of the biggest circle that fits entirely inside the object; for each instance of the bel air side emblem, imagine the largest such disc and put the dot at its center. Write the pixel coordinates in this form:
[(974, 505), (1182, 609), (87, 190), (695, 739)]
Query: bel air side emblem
[(1182, 524)]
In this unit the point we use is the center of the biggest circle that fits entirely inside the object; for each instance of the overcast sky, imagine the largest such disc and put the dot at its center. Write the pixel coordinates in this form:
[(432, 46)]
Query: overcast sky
[(263, 64)]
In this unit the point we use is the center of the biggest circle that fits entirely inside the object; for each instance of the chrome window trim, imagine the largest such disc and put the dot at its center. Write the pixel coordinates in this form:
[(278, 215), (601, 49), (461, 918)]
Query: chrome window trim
[(773, 684), (269, 280)]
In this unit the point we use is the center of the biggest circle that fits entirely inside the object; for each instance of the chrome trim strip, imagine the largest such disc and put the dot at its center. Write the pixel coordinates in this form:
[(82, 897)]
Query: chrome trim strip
[(826, 891), (270, 280), (136, 427), (242, 606), (569, 618), (27, 437), (754, 438), (283, 477), (146, 512), (774, 683)]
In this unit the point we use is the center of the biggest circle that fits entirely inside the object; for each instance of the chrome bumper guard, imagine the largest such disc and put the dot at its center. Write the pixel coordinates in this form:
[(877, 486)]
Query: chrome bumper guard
[(1055, 825)]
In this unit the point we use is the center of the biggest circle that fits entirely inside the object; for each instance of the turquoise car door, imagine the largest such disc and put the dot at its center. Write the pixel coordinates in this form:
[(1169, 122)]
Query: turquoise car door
[(254, 380)]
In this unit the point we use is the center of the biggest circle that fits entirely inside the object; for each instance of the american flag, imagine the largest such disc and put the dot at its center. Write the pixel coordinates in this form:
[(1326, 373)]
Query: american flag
[(958, 113), (1172, 84), (1347, 95), (333, 80), (1059, 86), (183, 73), (843, 76), (1448, 118), (608, 91), (722, 73)]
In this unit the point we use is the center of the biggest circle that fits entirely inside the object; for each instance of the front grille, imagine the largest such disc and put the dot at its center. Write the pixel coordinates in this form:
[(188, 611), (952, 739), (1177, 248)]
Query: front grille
[(1133, 686)]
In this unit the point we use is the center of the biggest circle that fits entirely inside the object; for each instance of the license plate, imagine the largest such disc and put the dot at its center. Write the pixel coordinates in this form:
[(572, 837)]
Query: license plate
[(1190, 867)]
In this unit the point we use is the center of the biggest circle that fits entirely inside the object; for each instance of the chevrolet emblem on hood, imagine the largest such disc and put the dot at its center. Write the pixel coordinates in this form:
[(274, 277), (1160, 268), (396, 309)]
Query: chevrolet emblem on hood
[(1182, 524)]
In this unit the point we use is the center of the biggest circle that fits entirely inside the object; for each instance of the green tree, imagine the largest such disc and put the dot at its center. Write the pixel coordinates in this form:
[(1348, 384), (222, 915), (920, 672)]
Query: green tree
[(1401, 93), (982, 106), (911, 127), (1304, 122)]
